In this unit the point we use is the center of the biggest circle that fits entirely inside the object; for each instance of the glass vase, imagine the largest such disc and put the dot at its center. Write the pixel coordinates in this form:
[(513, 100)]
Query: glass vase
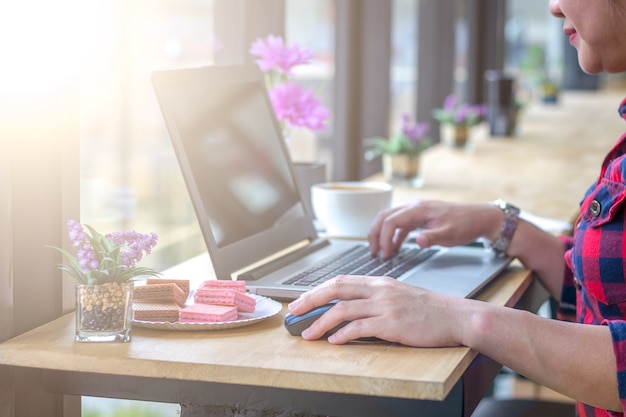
[(402, 170), (104, 312), (456, 136)]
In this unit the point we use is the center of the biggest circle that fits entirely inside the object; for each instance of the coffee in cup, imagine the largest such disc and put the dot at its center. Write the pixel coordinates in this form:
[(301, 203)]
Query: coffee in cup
[(348, 208)]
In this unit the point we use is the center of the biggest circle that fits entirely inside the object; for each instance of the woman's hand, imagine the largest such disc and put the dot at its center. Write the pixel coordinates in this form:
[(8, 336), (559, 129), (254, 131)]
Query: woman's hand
[(385, 308), (441, 223)]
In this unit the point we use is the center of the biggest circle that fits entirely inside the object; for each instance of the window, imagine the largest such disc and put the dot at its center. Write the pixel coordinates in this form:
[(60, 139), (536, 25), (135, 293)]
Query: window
[(534, 47), (404, 63), (311, 24), (130, 178), (129, 175)]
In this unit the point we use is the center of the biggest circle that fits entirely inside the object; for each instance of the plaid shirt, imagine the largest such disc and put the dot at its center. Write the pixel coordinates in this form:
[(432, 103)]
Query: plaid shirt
[(594, 290)]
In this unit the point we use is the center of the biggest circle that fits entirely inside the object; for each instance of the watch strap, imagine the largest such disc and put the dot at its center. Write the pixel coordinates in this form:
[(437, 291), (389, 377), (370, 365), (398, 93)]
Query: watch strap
[(511, 216)]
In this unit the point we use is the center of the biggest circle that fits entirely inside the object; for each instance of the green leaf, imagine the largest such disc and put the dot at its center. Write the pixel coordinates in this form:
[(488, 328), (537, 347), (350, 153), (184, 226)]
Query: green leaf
[(73, 268)]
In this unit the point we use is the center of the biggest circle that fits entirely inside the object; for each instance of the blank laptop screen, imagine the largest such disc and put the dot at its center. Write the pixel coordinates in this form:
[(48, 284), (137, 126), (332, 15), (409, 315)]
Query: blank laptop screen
[(238, 167), (234, 162)]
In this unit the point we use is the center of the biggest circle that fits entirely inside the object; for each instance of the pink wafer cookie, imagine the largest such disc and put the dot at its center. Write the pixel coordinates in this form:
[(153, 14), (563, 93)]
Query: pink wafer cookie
[(227, 297), (207, 313), (224, 284)]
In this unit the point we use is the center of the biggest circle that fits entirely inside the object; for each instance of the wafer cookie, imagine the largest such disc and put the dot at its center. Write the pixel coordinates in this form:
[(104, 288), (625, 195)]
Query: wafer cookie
[(228, 297), (155, 311), (169, 292), (224, 284), (183, 284), (207, 313)]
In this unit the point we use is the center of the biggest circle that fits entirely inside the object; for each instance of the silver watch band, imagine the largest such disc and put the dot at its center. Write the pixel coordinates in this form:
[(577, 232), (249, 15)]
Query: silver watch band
[(511, 215)]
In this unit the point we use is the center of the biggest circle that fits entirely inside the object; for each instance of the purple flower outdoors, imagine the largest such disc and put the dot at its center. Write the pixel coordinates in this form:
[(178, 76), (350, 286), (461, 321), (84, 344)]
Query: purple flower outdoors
[(297, 107), (275, 55)]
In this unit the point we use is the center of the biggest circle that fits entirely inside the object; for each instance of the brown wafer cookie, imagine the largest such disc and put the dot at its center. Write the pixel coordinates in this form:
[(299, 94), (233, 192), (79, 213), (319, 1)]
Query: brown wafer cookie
[(155, 311), (183, 284), (169, 292)]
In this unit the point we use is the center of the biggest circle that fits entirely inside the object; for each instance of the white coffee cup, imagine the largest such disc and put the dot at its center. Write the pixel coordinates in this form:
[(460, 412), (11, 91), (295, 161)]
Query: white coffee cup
[(348, 208)]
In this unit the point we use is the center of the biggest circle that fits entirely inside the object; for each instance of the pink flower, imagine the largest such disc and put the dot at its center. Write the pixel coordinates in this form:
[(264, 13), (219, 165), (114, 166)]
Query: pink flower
[(296, 107), (275, 55)]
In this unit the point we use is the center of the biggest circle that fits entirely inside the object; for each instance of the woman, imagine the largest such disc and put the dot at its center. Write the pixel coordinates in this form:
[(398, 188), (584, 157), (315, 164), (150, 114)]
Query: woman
[(585, 360)]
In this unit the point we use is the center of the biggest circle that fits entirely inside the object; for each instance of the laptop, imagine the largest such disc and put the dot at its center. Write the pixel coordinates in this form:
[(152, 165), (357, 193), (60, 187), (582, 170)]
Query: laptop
[(242, 185)]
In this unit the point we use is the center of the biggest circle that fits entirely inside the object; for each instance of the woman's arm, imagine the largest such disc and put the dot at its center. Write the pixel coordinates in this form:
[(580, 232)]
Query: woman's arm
[(449, 224), (574, 359), (540, 252)]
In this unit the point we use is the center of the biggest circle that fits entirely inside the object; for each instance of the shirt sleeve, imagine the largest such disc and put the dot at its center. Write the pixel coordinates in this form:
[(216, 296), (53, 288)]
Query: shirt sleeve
[(618, 335), (567, 305)]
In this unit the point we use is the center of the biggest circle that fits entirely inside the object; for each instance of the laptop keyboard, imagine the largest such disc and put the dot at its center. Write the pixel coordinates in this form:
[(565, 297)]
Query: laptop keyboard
[(359, 261)]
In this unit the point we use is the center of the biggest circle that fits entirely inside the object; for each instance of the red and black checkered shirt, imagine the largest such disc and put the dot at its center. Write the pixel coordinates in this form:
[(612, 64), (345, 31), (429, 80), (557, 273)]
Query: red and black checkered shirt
[(594, 290)]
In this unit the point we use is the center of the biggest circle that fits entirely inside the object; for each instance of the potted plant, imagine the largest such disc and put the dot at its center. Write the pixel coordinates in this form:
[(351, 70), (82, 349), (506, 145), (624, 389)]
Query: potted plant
[(104, 268), (401, 152), (456, 119)]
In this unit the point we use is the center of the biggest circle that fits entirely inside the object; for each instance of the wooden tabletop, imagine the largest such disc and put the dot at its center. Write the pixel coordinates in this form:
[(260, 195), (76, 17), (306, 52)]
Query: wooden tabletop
[(263, 354)]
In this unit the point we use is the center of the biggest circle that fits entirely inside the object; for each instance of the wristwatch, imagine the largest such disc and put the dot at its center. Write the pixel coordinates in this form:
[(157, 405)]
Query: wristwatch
[(511, 215)]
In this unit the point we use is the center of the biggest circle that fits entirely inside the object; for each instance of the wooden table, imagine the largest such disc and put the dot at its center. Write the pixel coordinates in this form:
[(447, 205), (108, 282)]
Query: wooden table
[(544, 170), (262, 367)]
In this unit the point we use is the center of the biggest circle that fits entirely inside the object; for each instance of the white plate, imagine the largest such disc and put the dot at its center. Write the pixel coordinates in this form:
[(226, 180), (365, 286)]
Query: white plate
[(265, 308)]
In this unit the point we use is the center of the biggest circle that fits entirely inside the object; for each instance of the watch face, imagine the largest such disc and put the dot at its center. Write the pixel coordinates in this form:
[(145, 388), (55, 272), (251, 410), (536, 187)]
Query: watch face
[(501, 204)]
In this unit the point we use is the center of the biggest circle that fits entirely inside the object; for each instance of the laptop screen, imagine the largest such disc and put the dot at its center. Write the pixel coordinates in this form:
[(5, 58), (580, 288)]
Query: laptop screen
[(233, 159), (237, 163)]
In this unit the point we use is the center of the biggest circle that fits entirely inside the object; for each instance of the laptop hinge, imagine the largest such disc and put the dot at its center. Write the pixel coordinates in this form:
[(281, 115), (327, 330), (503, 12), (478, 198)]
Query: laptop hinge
[(255, 273)]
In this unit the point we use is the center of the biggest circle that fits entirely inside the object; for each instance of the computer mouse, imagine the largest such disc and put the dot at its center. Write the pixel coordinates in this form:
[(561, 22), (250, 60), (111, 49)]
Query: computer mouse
[(295, 324)]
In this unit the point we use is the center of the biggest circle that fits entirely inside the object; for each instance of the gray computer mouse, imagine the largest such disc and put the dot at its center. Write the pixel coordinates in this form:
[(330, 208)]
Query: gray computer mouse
[(295, 324)]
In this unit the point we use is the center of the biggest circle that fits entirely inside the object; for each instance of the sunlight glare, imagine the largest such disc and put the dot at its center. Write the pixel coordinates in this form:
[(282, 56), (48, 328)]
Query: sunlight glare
[(39, 44)]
